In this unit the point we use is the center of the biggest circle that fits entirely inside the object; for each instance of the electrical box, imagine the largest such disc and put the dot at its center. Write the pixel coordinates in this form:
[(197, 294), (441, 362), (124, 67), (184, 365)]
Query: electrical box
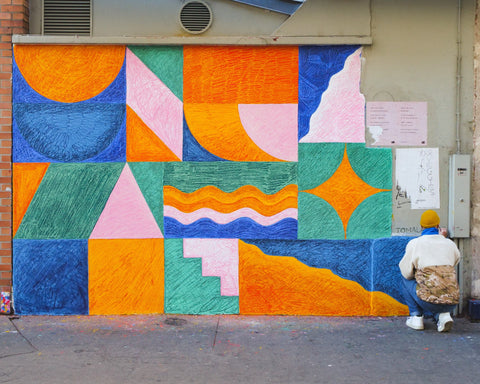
[(459, 196)]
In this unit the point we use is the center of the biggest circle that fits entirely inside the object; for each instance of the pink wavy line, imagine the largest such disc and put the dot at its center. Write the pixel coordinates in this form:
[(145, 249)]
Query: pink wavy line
[(224, 218)]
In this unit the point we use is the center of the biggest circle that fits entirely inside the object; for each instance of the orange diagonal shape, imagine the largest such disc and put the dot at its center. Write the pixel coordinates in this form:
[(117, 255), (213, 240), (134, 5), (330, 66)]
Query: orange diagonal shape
[(344, 191), (143, 144)]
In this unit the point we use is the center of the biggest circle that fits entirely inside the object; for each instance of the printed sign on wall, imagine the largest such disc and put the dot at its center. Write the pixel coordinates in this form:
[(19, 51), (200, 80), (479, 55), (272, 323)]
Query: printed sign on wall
[(397, 123), (417, 173)]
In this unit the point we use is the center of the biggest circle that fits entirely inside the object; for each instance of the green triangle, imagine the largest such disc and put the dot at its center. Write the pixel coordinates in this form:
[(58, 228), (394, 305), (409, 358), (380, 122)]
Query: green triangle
[(166, 63), (149, 177), (69, 201)]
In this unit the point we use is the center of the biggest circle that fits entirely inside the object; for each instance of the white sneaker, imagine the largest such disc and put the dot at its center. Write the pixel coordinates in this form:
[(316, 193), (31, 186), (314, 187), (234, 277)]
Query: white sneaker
[(415, 322), (445, 322)]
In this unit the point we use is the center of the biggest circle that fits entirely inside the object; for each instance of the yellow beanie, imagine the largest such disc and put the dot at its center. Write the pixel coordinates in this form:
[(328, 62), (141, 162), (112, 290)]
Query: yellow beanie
[(429, 219)]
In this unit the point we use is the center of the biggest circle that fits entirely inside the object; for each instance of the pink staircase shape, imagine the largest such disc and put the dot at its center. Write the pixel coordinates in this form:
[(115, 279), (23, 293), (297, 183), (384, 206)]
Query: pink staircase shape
[(219, 258)]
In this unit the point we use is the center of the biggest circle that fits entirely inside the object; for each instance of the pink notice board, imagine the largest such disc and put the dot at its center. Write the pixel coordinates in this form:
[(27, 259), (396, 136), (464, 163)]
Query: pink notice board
[(392, 123)]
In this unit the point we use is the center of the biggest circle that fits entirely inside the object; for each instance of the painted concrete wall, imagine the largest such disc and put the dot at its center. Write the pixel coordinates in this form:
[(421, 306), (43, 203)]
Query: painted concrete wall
[(412, 58), (199, 180)]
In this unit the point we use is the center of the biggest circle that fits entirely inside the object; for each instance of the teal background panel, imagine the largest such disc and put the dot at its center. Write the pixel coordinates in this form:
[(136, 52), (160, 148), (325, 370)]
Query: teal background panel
[(149, 177), (317, 219), (187, 291), (372, 165), (229, 176), (372, 218), (317, 163)]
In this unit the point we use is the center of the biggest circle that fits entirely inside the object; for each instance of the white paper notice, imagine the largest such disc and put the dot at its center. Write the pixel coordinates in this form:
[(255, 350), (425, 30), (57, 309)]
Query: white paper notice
[(397, 123), (417, 173)]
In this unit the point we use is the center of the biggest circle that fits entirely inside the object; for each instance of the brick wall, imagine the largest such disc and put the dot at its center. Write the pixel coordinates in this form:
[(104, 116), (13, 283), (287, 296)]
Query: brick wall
[(13, 20)]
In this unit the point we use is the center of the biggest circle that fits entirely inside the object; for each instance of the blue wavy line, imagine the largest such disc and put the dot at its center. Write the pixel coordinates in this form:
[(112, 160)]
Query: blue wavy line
[(244, 228)]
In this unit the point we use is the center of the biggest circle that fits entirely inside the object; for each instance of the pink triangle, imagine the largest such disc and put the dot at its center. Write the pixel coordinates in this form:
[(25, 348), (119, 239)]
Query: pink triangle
[(126, 214)]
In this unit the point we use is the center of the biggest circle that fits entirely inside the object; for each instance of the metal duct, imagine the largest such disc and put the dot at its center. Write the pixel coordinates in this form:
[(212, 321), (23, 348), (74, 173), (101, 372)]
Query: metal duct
[(195, 17), (66, 17)]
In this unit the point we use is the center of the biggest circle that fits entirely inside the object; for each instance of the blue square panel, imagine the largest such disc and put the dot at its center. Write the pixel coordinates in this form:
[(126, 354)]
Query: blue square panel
[(50, 277)]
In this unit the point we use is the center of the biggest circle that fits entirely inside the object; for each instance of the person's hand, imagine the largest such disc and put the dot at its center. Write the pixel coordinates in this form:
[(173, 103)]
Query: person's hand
[(443, 231)]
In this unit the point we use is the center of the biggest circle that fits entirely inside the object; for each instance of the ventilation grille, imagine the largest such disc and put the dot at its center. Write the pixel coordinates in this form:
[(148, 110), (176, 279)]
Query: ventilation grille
[(195, 17), (66, 17)]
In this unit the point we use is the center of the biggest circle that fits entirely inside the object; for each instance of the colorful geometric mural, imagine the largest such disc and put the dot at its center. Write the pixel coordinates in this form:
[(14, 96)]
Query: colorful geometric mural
[(198, 180)]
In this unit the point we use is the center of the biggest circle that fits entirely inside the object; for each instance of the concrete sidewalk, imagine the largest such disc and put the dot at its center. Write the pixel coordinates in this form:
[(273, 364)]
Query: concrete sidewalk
[(234, 349)]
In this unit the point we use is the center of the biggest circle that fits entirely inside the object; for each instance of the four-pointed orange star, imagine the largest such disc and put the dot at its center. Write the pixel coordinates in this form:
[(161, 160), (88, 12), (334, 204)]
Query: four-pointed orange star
[(344, 191)]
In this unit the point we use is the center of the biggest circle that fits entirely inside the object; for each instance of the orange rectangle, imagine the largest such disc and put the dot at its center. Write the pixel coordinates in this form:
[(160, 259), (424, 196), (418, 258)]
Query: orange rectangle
[(240, 75), (125, 276)]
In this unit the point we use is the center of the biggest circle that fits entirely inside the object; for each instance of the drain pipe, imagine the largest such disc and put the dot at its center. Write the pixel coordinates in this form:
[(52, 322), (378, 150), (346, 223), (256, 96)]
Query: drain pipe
[(458, 114), (458, 118)]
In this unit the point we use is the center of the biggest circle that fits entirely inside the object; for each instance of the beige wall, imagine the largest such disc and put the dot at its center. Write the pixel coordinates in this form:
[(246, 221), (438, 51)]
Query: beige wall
[(414, 58)]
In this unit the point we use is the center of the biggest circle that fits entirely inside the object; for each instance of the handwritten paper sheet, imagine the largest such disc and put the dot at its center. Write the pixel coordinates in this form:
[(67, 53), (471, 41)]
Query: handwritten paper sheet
[(397, 123), (417, 174)]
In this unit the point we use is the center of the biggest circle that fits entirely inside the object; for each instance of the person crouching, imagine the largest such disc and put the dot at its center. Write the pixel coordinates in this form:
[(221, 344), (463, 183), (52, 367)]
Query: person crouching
[(429, 275)]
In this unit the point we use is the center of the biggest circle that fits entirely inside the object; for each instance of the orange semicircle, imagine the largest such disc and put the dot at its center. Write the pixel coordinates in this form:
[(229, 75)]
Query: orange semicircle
[(69, 73), (218, 129)]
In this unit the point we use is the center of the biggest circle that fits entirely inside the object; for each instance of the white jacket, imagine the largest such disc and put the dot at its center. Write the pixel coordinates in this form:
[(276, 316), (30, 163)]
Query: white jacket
[(428, 250)]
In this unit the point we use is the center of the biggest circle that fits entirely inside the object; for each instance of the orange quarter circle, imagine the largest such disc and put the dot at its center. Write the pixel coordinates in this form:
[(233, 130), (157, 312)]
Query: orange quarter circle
[(69, 73)]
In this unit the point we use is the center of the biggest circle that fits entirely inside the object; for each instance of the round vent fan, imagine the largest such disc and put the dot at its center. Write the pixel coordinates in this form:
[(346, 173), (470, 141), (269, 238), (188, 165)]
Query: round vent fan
[(195, 17)]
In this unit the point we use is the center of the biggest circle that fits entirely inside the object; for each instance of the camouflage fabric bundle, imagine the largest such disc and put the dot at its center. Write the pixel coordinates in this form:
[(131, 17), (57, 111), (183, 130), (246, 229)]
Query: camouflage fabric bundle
[(438, 284)]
